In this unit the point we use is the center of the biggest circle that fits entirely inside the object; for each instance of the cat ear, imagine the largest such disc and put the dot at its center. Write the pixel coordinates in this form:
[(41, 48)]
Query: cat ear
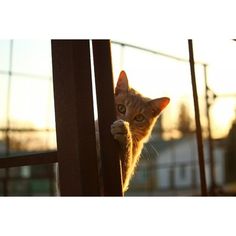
[(159, 104), (122, 83)]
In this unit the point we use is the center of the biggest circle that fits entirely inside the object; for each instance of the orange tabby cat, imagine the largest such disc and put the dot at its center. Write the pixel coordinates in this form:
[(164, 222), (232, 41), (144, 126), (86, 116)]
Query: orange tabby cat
[(136, 116)]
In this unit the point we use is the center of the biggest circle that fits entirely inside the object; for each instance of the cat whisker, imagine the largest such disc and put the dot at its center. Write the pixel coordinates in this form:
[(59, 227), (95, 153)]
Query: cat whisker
[(142, 156), (156, 153), (145, 153)]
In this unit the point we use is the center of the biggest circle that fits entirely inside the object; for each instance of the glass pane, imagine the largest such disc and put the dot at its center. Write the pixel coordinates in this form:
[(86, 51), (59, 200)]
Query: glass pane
[(168, 149), (32, 57), (1, 189), (29, 181), (3, 110), (4, 55), (31, 102), (3, 99)]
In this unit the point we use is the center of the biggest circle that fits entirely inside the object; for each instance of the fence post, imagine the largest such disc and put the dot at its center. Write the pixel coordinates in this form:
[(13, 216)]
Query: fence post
[(111, 168), (76, 142), (197, 120)]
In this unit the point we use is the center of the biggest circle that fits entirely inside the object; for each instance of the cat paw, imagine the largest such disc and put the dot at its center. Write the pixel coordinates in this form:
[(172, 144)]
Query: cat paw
[(120, 131)]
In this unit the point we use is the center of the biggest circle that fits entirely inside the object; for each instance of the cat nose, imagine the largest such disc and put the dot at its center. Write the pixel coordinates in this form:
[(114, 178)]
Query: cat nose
[(126, 119)]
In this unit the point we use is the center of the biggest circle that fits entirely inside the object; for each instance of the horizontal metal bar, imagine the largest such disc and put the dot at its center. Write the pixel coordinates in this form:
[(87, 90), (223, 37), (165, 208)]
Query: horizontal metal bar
[(156, 52), (158, 166), (224, 95), (7, 72), (26, 130), (49, 177), (29, 159)]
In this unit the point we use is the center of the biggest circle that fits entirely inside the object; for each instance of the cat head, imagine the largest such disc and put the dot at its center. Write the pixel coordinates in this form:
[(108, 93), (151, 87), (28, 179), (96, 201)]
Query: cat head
[(141, 112)]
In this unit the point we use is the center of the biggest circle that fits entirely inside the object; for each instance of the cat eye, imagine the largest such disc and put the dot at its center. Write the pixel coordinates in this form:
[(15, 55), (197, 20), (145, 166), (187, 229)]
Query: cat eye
[(121, 108), (139, 118)]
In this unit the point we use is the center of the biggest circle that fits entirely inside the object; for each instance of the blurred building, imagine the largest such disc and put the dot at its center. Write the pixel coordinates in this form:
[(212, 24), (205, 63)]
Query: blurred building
[(171, 167), (230, 155)]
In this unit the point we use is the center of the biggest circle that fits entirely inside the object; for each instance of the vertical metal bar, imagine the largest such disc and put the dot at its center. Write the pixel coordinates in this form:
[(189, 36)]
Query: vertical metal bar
[(111, 168), (76, 142), (198, 122), (6, 179), (210, 141), (122, 49)]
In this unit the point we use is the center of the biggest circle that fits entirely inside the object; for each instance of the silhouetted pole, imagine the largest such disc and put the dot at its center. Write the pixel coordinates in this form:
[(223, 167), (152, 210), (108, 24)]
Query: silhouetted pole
[(197, 120), (109, 148), (75, 128)]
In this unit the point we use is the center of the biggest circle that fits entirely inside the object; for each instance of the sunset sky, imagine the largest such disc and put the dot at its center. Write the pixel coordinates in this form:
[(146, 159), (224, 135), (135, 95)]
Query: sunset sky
[(31, 100)]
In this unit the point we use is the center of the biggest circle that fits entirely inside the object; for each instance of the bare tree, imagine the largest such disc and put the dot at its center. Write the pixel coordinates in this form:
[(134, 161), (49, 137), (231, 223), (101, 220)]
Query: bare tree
[(184, 120), (23, 136)]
